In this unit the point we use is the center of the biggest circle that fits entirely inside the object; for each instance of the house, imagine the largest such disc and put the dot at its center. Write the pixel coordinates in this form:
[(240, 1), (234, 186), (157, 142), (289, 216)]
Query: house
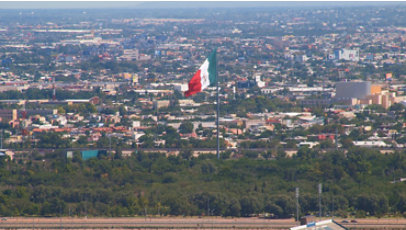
[(310, 144), (7, 152)]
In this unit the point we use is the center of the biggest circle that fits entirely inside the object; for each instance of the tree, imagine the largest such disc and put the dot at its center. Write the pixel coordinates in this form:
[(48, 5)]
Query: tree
[(376, 108), (347, 142), (328, 143), (186, 127), (52, 140), (249, 205), (82, 141), (397, 107)]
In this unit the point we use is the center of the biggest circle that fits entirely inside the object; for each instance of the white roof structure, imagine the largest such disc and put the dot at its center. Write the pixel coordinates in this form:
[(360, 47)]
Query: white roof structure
[(321, 225)]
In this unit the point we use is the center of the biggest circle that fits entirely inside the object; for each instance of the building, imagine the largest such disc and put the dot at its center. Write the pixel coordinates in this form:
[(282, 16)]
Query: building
[(346, 54), (371, 144), (325, 224), (260, 83), (376, 89), (33, 112), (180, 87), (7, 152), (353, 89), (88, 154), (7, 115), (246, 84), (130, 55), (300, 58), (161, 104), (363, 92)]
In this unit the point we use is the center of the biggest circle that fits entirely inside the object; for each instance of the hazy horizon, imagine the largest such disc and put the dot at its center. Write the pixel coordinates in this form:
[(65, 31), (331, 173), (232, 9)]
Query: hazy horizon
[(182, 4)]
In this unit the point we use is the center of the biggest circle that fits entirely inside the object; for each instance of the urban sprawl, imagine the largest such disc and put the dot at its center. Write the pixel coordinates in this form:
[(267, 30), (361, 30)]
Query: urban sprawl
[(114, 83), (94, 121)]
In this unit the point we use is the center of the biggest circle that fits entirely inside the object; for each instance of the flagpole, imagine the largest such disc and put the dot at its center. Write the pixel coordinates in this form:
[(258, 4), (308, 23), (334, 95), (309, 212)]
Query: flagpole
[(217, 116)]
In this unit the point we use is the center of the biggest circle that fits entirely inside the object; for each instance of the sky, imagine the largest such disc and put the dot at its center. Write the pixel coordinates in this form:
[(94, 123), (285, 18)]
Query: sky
[(180, 4)]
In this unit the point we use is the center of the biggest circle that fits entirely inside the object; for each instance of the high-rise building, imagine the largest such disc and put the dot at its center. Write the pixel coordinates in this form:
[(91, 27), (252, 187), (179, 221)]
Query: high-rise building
[(346, 54), (363, 92), (353, 89), (260, 83)]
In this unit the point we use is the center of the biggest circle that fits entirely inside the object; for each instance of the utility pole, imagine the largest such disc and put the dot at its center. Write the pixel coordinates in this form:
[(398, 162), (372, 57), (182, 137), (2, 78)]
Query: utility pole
[(54, 90), (156, 123), (218, 107), (297, 203), (336, 139), (110, 152), (208, 206), (320, 190)]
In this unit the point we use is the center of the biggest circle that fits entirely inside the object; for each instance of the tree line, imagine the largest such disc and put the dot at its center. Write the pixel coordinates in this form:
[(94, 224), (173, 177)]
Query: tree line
[(361, 182)]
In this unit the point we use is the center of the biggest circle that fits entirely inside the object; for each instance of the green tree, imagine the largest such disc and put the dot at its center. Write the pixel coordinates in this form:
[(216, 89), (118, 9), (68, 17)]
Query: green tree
[(186, 127)]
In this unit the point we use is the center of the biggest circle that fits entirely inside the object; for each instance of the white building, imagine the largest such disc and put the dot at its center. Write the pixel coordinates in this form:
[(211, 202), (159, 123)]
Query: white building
[(260, 83), (346, 54), (380, 144)]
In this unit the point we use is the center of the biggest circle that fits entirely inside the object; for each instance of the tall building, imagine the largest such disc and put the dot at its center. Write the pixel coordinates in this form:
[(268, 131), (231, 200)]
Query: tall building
[(346, 54), (260, 83), (353, 89), (363, 92), (7, 115)]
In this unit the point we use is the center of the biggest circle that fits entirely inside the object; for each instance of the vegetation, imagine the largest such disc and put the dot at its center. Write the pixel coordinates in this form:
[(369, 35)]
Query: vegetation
[(356, 183), (33, 93)]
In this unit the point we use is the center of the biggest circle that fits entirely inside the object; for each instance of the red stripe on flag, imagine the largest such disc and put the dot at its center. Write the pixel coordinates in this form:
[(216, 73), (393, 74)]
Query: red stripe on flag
[(195, 84)]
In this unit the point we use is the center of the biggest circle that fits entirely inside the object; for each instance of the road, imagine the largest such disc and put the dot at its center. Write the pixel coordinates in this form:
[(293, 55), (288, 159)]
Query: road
[(182, 223), (145, 223)]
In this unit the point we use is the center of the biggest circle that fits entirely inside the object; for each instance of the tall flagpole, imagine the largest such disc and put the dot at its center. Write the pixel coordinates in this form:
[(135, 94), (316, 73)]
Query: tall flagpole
[(218, 111)]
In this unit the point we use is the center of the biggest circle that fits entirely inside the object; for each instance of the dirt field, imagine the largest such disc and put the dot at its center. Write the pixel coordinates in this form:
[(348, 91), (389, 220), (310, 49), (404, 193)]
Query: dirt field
[(183, 223)]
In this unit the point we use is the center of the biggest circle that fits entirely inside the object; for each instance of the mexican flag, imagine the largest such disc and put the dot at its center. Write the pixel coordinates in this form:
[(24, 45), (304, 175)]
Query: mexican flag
[(204, 77)]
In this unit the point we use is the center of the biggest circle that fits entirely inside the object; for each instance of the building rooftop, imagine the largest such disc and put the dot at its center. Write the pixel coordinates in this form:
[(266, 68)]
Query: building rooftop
[(321, 225)]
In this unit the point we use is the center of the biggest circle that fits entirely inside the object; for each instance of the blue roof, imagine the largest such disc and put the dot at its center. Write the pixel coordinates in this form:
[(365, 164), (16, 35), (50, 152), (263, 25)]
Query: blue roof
[(87, 154)]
